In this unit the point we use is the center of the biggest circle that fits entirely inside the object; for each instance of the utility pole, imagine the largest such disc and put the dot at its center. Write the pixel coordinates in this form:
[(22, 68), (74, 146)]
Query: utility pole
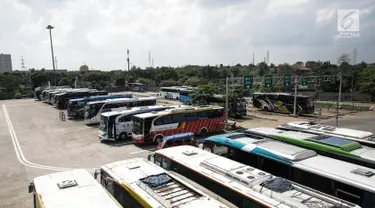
[(253, 60), (268, 57), (56, 62), (338, 102), (128, 59), (226, 102), (353, 70), (22, 63), (295, 95), (49, 27)]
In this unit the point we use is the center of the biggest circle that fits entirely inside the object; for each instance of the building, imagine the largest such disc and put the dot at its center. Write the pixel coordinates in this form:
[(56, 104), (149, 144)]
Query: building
[(6, 63)]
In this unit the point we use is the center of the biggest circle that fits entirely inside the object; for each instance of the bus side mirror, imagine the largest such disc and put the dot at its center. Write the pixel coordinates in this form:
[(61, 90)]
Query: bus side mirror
[(150, 157), (96, 173), (31, 187)]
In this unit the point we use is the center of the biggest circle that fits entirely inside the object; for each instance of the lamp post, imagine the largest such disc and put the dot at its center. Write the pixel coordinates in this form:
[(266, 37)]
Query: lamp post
[(49, 27)]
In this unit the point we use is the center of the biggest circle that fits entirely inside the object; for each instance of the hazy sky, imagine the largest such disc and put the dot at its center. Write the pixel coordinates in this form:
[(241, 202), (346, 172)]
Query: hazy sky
[(180, 32)]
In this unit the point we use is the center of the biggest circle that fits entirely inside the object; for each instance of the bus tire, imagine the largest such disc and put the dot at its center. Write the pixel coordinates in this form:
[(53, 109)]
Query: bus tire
[(203, 131), (123, 136), (158, 139), (265, 108)]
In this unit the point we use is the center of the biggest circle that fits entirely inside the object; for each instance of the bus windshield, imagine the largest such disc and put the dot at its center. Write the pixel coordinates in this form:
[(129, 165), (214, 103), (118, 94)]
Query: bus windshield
[(93, 109), (103, 123)]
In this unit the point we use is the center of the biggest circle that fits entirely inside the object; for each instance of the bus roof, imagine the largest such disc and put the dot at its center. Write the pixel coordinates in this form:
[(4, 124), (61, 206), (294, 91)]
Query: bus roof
[(341, 143), (87, 192), (305, 159), (102, 96), (134, 109), (247, 180), (321, 128), (178, 136), (115, 100), (178, 110), (146, 178)]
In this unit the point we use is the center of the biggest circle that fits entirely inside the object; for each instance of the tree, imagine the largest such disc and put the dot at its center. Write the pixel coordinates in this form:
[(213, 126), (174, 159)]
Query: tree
[(192, 81)]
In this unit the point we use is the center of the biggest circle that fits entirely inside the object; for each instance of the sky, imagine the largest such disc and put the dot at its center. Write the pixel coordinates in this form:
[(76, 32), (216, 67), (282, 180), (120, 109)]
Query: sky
[(181, 32)]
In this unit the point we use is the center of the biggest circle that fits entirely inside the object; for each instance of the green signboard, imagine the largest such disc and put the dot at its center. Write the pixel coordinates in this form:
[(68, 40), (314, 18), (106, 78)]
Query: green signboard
[(304, 81), (268, 81), (248, 81), (287, 80)]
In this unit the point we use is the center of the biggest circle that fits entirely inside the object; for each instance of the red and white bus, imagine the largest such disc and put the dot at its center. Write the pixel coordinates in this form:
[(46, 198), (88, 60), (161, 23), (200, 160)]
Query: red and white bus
[(154, 126)]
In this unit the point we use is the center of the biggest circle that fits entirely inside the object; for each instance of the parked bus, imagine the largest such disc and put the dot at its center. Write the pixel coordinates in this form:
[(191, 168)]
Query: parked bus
[(347, 181), (283, 102), (117, 125), (137, 87), (171, 92), (330, 146), (63, 100), (138, 183), (74, 188), (154, 126), (185, 96), (93, 110), (242, 185), (364, 137), (76, 106)]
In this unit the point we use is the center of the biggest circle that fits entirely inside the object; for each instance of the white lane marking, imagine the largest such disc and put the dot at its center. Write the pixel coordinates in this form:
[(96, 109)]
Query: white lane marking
[(20, 156), (141, 151)]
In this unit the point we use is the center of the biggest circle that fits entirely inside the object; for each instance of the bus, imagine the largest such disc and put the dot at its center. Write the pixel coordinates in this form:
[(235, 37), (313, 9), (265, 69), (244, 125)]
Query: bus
[(93, 110), (172, 93), (330, 146), (153, 126), (136, 87), (347, 181), (185, 96), (138, 183), (283, 102), (76, 106), (242, 185), (364, 137), (117, 125), (73, 188), (63, 100)]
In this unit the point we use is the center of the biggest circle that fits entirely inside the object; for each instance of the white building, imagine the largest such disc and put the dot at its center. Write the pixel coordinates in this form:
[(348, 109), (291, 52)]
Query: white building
[(6, 63)]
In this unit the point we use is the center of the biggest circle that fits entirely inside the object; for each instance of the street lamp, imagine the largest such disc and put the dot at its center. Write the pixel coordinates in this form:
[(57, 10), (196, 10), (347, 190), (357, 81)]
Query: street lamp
[(49, 27)]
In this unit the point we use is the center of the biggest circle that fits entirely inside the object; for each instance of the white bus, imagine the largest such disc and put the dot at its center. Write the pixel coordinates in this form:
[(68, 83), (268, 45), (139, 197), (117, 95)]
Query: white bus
[(154, 126), (93, 110), (242, 185), (116, 125), (363, 137), (171, 92), (347, 181), (74, 188), (139, 183)]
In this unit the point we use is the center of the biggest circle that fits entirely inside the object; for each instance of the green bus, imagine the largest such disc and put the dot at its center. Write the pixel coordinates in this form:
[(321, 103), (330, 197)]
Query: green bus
[(330, 146)]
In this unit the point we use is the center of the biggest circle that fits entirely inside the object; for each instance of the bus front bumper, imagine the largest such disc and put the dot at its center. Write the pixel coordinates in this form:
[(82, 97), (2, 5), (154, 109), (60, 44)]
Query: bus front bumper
[(138, 138)]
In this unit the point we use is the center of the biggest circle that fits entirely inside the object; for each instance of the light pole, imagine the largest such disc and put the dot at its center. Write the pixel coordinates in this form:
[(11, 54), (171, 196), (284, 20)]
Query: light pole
[(49, 27)]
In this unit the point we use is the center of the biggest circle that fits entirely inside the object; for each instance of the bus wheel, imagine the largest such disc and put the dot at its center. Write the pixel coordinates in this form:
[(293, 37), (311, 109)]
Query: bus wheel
[(158, 139), (203, 132), (123, 136), (265, 108)]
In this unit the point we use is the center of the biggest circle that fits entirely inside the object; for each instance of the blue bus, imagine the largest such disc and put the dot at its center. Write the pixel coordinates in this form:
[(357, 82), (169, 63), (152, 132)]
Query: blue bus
[(76, 106), (348, 181), (185, 96)]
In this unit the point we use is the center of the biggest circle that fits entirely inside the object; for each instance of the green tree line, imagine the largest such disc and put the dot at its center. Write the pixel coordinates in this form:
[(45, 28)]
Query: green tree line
[(360, 77)]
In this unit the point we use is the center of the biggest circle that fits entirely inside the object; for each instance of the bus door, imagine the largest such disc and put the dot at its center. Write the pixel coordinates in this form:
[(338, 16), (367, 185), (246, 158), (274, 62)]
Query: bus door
[(124, 126)]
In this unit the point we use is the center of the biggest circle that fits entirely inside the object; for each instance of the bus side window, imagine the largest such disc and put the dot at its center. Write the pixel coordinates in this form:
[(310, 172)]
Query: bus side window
[(157, 159)]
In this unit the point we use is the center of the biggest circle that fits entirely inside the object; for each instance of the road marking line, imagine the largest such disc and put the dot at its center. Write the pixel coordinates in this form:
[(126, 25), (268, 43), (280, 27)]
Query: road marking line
[(17, 148)]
